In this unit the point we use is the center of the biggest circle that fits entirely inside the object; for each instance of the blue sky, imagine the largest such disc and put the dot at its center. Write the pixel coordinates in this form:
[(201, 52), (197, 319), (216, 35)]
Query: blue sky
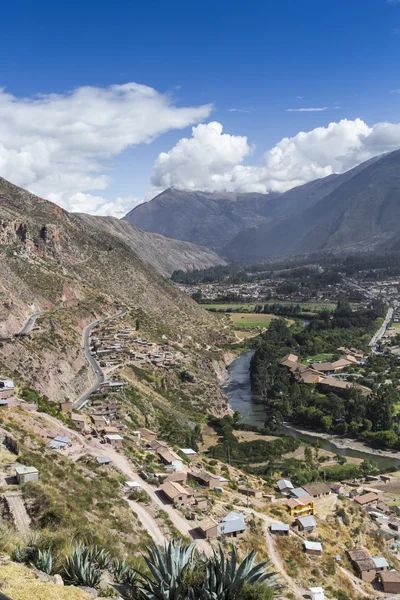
[(258, 57)]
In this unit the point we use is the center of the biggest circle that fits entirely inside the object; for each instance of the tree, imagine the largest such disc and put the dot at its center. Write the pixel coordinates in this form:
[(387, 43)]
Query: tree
[(308, 457)]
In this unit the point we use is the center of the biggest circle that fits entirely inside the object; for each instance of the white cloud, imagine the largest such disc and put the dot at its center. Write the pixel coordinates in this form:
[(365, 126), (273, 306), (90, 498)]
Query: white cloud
[(58, 145), (212, 161), (203, 159), (320, 109), (239, 110)]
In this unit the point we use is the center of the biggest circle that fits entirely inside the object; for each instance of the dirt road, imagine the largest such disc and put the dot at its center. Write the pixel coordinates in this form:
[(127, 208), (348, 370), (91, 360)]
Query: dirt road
[(185, 527), (148, 522)]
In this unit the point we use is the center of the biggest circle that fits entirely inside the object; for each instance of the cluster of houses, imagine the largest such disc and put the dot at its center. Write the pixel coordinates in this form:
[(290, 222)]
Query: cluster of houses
[(321, 373), (110, 346), (107, 426), (374, 569), (185, 487), (300, 503)]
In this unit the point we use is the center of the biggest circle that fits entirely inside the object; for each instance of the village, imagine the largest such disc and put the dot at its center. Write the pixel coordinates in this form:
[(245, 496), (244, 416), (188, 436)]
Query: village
[(209, 501)]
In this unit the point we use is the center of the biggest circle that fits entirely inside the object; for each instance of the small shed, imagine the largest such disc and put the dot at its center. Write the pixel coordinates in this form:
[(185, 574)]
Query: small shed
[(254, 493), (313, 548), (306, 523), (366, 499), (147, 434), (390, 582), (318, 490), (208, 528), (103, 460), (233, 525), (284, 486), (25, 474), (67, 407), (317, 593), (133, 486), (279, 529), (114, 439)]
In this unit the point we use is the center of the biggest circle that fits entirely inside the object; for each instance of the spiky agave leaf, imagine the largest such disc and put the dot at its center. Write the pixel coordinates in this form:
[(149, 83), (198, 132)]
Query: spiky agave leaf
[(168, 568), (81, 569), (226, 577), (45, 561)]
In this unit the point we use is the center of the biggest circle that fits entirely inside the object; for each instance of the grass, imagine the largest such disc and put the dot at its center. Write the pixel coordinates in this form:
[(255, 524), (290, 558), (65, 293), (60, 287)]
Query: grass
[(251, 320), (311, 306), (325, 357), (20, 583)]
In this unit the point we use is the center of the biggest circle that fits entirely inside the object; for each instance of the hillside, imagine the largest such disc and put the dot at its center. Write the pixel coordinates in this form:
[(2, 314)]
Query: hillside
[(214, 219), (360, 214), (209, 219), (165, 255), (76, 271)]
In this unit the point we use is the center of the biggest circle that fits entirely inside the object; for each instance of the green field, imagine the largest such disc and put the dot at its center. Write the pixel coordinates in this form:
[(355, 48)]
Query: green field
[(250, 319), (323, 357), (311, 306)]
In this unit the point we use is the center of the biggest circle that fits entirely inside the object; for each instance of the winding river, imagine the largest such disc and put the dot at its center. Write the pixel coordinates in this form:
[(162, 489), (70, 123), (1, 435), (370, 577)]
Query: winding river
[(238, 391)]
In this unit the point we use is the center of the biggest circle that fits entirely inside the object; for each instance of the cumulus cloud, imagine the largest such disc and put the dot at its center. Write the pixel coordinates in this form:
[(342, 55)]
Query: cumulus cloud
[(203, 159), (212, 161), (58, 145)]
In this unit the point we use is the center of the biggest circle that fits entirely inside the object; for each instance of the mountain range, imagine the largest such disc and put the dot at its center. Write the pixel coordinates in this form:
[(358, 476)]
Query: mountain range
[(356, 210)]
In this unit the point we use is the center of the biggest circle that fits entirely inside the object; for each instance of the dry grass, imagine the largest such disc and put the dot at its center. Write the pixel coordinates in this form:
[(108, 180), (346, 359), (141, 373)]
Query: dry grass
[(20, 584), (250, 436), (210, 438)]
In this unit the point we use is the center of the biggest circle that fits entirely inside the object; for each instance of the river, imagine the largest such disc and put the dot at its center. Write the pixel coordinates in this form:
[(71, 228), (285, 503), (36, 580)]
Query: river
[(238, 391)]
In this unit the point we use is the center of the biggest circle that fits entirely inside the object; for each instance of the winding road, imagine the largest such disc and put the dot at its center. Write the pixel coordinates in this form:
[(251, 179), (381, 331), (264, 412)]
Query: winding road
[(97, 370), (29, 324)]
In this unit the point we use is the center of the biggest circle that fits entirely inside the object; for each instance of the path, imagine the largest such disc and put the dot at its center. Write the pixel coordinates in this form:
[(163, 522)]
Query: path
[(184, 526), (18, 511), (356, 582), (97, 370), (148, 522), (274, 557)]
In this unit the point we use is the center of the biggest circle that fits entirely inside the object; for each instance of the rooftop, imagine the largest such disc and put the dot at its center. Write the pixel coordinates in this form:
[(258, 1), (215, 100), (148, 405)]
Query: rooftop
[(307, 521), (279, 527), (312, 545), (380, 562), (390, 576), (22, 470)]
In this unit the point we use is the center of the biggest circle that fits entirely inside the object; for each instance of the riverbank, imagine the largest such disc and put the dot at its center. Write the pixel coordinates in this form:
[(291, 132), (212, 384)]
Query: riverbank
[(237, 389), (344, 443)]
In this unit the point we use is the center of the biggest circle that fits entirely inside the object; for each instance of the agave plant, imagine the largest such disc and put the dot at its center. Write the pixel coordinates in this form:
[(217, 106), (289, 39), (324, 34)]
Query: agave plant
[(20, 554), (119, 570), (169, 567), (226, 577), (44, 561), (81, 569), (98, 555)]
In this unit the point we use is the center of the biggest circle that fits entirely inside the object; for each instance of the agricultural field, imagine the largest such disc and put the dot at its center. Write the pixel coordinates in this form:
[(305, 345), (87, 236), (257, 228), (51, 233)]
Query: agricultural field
[(251, 319), (311, 306)]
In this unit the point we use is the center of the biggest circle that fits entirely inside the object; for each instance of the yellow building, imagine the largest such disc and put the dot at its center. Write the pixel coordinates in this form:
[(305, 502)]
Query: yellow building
[(300, 507)]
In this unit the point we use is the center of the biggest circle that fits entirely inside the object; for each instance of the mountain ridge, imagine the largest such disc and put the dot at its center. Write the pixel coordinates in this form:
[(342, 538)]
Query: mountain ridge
[(214, 219), (362, 213)]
